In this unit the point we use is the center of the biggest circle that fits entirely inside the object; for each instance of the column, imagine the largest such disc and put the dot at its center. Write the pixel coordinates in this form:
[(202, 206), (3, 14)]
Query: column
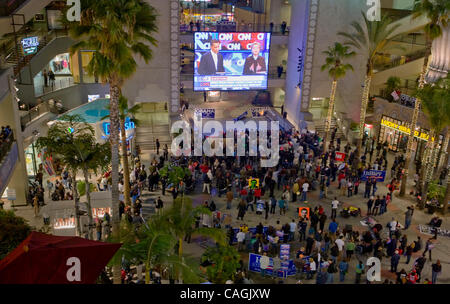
[(299, 63)]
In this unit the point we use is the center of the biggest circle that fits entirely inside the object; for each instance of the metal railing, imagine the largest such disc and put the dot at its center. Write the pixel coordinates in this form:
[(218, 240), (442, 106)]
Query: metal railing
[(5, 145), (400, 61), (249, 27), (38, 110), (271, 75), (57, 84)]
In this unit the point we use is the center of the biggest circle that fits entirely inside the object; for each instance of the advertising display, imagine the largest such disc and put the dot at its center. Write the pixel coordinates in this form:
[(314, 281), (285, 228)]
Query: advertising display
[(100, 212), (231, 61), (253, 183), (206, 113), (254, 265), (379, 175), (64, 219), (30, 45)]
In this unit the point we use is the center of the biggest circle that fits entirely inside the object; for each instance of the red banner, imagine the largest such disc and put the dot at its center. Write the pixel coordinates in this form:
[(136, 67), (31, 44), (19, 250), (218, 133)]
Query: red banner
[(339, 156)]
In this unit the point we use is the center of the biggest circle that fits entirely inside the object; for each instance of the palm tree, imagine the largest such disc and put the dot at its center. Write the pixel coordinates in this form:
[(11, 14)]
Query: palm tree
[(154, 245), (116, 30), (124, 113), (372, 39), (336, 54), (73, 142), (437, 14), (436, 106), (225, 261), (182, 217)]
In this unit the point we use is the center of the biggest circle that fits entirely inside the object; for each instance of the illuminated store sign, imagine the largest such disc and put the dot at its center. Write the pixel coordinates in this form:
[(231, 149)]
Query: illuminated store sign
[(30, 45), (106, 126), (404, 129)]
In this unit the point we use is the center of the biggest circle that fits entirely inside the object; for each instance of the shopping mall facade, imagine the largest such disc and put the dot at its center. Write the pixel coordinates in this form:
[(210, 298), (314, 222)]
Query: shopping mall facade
[(302, 90)]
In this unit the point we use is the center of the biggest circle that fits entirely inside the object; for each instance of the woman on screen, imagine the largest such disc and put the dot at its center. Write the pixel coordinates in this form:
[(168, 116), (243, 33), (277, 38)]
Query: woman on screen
[(255, 64)]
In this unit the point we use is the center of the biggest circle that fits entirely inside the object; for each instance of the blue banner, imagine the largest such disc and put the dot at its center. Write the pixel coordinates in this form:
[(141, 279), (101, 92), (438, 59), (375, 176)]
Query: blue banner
[(253, 265), (206, 113), (379, 175)]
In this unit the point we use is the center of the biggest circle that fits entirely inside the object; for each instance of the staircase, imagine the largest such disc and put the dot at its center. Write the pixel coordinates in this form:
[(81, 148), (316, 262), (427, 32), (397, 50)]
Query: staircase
[(320, 127), (17, 58), (146, 136)]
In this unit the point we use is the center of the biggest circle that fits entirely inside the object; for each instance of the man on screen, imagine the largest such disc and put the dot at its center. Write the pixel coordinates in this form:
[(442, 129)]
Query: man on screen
[(212, 63), (255, 64)]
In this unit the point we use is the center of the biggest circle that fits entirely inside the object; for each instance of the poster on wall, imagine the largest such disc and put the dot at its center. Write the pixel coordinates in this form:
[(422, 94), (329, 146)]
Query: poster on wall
[(231, 61)]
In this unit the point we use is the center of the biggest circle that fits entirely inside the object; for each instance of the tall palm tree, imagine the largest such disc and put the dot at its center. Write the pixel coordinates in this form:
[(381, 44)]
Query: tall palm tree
[(372, 39), (436, 106), (336, 54), (116, 30), (124, 113), (437, 12)]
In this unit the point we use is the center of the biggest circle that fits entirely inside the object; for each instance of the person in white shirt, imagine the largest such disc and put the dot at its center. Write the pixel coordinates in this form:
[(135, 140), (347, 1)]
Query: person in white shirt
[(312, 269), (334, 207), (340, 243), (264, 263), (305, 188), (292, 228), (121, 187), (240, 238), (392, 227)]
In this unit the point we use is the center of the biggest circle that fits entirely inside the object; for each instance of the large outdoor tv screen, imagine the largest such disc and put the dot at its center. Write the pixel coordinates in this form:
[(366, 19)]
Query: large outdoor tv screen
[(231, 61)]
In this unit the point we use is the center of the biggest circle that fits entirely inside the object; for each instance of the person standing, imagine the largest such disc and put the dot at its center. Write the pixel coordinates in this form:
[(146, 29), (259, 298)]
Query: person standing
[(408, 218), (292, 228), (369, 205), (98, 228), (241, 207), (305, 188), (281, 205), (428, 246), (395, 259), (436, 269), (45, 78), (51, 77), (240, 239), (36, 205), (273, 204), (280, 71), (343, 269), (302, 229), (229, 196), (359, 271), (334, 207), (264, 263)]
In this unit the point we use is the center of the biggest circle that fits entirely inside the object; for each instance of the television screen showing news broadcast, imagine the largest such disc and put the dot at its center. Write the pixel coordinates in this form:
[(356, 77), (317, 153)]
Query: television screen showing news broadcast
[(231, 61)]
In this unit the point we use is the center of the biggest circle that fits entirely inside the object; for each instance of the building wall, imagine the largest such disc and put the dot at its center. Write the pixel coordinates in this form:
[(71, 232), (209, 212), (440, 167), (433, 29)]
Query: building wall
[(151, 81), (333, 17)]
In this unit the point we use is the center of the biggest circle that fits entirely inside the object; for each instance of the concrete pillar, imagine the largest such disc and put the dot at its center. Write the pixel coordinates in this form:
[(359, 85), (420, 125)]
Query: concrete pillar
[(296, 60)]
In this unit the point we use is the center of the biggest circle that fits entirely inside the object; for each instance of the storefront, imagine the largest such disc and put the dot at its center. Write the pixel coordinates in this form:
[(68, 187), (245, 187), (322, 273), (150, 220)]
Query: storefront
[(32, 160), (395, 134), (60, 64)]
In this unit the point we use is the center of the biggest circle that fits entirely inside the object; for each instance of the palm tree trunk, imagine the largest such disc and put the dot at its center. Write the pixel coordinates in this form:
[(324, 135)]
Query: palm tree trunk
[(126, 168), (414, 118), (75, 196), (443, 159), (88, 199), (447, 194), (114, 139), (330, 115), (362, 117), (428, 169)]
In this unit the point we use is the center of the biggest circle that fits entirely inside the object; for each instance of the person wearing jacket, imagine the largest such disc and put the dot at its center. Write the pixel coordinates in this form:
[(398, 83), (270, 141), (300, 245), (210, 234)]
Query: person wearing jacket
[(395, 259), (343, 269), (264, 263)]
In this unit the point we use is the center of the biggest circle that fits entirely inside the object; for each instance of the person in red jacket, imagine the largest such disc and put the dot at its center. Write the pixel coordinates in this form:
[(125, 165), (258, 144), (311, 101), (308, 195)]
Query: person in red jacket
[(413, 277)]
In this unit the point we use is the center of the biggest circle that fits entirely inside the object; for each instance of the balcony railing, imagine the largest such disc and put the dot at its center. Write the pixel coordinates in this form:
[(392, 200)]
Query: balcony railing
[(271, 75), (400, 61), (59, 84), (249, 27), (38, 110)]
